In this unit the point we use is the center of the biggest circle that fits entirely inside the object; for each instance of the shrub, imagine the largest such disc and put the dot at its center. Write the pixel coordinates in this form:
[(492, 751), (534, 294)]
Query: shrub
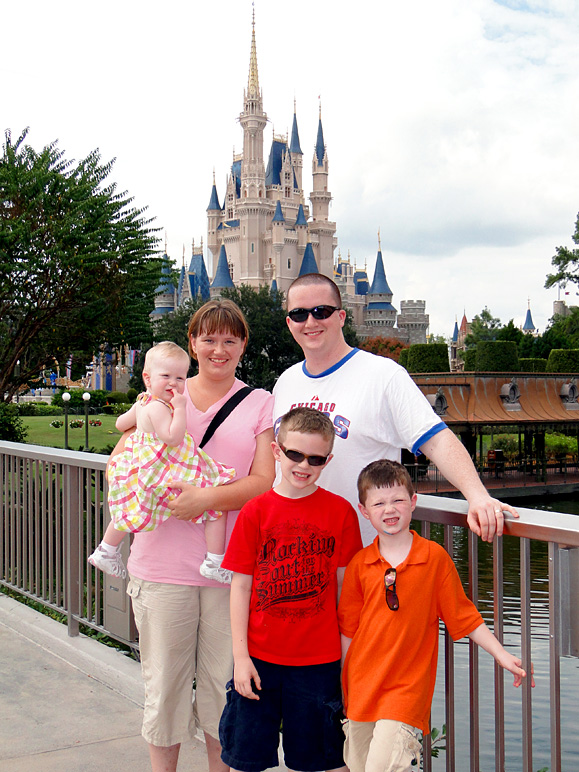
[(563, 361), (428, 358), (497, 356), (508, 444), (116, 397), (12, 428), (469, 357), (559, 445), (98, 397), (533, 365), (132, 395), (48, 410), (403, 360)]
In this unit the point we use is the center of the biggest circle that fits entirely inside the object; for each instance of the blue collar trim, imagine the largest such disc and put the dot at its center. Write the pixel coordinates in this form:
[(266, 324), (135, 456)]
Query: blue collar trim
[(331, 369)]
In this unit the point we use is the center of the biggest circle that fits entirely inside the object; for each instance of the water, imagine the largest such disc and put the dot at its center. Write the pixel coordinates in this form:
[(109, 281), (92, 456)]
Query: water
[(540, 656)]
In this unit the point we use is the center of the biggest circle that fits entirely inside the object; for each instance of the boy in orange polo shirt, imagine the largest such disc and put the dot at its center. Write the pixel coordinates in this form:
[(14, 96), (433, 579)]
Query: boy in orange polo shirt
[(394, 593)]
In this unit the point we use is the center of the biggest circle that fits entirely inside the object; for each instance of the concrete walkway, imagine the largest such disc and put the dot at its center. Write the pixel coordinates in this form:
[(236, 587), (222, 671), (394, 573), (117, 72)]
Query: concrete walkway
[(69, 704)]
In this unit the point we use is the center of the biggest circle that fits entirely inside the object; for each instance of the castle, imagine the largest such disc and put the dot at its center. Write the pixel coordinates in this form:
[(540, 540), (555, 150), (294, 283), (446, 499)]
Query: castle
[(264, 232)]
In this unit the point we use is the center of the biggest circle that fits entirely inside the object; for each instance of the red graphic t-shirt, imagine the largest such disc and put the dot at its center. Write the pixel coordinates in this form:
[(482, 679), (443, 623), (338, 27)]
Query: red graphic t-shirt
[(293, 548)]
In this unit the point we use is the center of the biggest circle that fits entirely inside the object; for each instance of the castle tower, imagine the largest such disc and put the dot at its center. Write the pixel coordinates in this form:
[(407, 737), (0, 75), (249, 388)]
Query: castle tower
[(253, 211), (322, 231), (297, 157), (413, 321), (380, 315), (529, 326)]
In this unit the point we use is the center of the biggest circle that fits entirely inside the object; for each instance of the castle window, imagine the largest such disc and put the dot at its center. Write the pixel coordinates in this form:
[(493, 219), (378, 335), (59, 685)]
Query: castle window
[(287, 192), (252, 247), (289, 262)]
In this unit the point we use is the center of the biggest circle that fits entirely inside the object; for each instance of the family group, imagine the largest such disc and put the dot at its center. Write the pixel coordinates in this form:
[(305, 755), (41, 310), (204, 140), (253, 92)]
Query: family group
[(295, 608)]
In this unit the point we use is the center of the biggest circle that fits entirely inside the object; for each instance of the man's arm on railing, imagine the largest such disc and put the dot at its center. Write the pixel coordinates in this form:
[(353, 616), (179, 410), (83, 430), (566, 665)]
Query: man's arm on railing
[(485, 514)]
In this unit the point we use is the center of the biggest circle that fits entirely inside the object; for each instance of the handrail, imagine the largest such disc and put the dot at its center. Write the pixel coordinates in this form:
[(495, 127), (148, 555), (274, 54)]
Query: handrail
[(54, 511)]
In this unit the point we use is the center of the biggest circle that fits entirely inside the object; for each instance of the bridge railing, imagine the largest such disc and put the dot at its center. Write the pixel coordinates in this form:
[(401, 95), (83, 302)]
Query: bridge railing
[(54, 511)]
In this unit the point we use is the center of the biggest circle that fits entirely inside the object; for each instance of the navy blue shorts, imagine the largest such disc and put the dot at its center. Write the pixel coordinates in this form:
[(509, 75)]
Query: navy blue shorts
[(304, 702)]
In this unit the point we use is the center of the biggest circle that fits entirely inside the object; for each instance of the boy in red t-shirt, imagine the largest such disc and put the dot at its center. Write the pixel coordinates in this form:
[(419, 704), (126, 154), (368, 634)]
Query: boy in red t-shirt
[(395, 591), (288, 552)]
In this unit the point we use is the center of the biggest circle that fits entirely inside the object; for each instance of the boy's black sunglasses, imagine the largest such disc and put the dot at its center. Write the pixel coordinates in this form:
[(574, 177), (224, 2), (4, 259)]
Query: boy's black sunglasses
[(318, 312), (390, 587), (295, 455)]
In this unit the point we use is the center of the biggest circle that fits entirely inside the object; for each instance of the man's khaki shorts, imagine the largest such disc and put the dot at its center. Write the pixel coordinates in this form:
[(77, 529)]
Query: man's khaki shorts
[(380, 746), (184, 635)]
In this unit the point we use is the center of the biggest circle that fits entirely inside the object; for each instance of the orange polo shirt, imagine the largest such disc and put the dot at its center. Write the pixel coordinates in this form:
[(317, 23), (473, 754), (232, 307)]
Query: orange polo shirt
[(390, 668)]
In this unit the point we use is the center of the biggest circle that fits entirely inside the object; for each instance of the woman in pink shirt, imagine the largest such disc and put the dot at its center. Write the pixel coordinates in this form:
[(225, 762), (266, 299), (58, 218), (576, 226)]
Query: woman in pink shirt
[(183, 618)]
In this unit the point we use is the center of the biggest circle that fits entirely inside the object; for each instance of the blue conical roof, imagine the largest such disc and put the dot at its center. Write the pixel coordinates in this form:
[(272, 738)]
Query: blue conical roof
[(198, 278), (455, 333), (214, 200), (295, 138), (320, 147), (278, 216), (309, 264), (528, 325), (222, 276), (379, 284), (301, 218), (165, 282)]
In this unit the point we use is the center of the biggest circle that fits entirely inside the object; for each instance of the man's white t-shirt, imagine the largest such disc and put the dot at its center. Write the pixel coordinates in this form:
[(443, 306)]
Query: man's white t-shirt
[(376, 409)]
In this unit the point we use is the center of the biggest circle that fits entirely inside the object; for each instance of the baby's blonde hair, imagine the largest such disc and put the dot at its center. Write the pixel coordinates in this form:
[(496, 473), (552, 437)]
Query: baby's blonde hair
[(164, 350)]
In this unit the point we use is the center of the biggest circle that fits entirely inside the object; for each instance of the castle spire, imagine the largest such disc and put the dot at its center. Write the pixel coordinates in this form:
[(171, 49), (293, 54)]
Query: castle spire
[(253, 80)]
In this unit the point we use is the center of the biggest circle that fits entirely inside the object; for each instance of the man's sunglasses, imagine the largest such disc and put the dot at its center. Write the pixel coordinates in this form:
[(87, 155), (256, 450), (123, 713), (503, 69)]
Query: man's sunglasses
[(390, 587), (295, 455), (318, 312)]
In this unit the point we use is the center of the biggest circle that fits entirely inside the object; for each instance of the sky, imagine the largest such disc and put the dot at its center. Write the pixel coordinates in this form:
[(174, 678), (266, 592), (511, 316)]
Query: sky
[(451, 127)]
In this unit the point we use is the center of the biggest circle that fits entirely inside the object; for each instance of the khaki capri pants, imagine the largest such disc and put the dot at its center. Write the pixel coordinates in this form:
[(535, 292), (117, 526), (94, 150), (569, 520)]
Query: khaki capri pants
[(184, 634)]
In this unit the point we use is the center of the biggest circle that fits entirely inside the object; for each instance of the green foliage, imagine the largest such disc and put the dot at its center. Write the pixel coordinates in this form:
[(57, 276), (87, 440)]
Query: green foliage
[(271, 348), (532, 365), (12, 428), (47, 410), (470, 360), (384, 347), (76, 265), (403, 359), (510, 332), (132, 395), (116, 398), (98, 398), (565, 263), (497, 356), (428, 358), (484, 326), (508, 443), (559, 445), (563, 361)]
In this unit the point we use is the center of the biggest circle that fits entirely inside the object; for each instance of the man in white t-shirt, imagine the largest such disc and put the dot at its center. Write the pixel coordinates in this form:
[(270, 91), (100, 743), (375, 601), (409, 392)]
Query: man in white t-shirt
[(375, 406)]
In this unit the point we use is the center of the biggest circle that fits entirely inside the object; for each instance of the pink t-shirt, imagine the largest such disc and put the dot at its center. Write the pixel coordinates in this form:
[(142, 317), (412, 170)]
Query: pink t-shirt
[(173, 552)]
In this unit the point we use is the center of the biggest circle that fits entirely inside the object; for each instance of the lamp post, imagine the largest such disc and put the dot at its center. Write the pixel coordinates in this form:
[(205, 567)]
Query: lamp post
[(65, 400), (86, 397)]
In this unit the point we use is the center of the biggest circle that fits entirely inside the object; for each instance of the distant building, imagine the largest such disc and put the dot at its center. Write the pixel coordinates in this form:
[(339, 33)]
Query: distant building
[(265, 233)]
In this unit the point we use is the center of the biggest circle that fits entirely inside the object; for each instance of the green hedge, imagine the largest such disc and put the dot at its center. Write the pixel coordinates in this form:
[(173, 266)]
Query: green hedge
[(12, 427), (98, 397), (470, 360), (403, 359), (563, 361), (428, 358), (497, 356), (533, 365)]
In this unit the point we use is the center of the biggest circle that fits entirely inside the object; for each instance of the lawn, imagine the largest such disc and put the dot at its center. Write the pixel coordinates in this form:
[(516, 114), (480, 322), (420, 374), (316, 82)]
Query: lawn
[(100, 438)]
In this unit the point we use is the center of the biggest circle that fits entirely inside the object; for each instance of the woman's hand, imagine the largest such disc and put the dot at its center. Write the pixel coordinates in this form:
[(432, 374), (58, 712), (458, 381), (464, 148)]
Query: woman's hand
[(191, 502)]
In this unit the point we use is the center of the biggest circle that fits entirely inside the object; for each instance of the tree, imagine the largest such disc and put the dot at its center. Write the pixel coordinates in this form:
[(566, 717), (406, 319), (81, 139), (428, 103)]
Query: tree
[(76, 265), (510, 332), (384, 347), (484, 326), (271, 348), (566, 263)]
